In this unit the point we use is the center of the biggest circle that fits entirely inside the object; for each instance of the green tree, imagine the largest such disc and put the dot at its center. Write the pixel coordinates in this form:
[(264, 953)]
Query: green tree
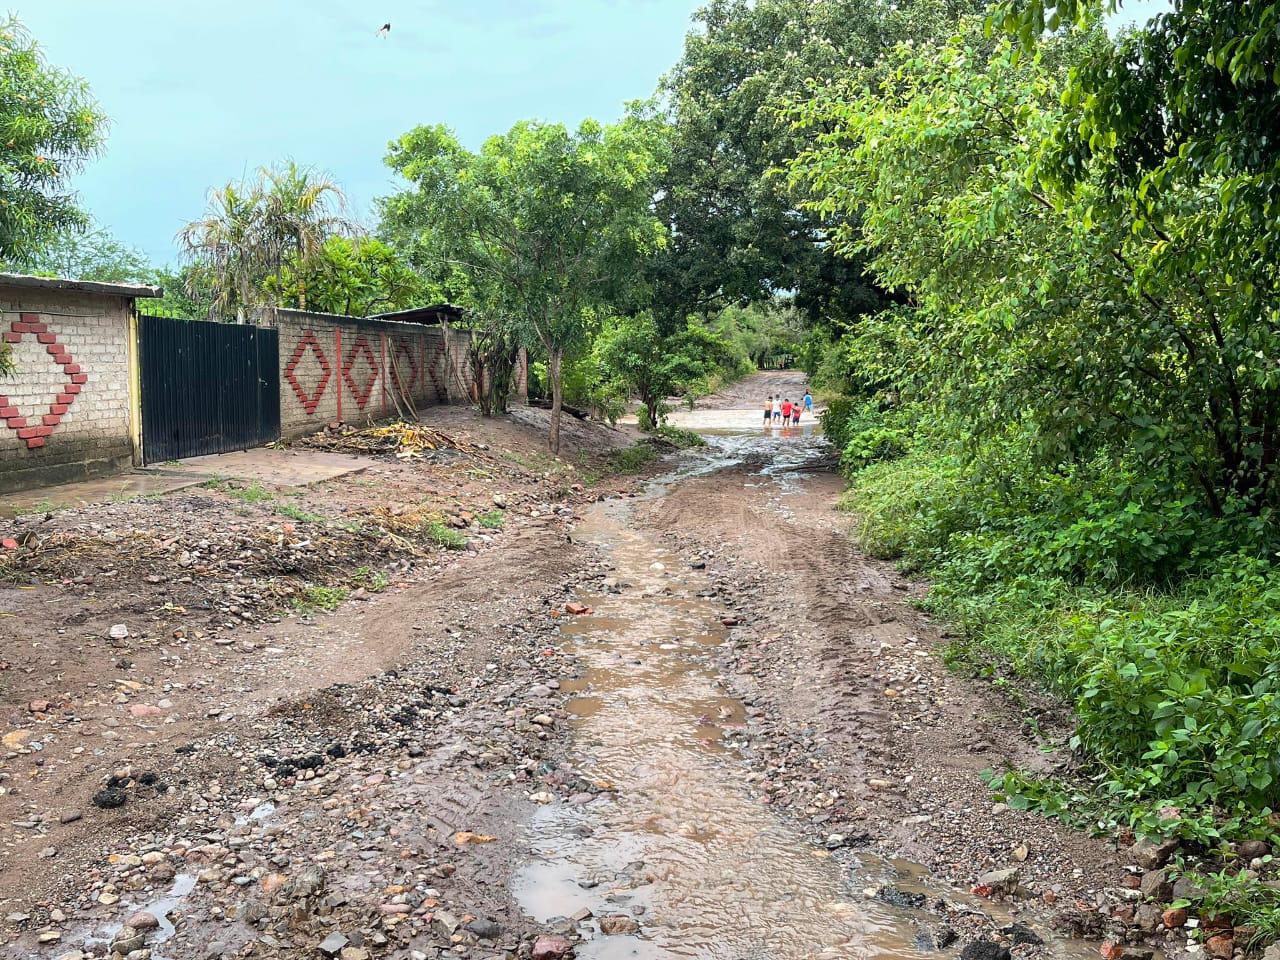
[(738, 232), (1058, 305), (549, 227), (759, 330), (634, 353), (1175, 124), (255, 230), (91, 254), (356, 276), (49, 125)]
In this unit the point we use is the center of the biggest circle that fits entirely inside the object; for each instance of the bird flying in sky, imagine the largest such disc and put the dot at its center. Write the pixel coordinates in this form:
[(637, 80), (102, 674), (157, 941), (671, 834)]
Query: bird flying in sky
[(384, 30)]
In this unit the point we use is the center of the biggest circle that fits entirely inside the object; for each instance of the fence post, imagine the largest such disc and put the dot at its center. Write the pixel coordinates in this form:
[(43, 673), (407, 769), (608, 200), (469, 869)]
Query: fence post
[(135, 387), (342, 369)]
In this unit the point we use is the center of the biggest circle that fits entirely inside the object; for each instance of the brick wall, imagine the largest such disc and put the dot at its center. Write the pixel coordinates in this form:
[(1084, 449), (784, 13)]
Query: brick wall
[(342, 368), (65, 413)]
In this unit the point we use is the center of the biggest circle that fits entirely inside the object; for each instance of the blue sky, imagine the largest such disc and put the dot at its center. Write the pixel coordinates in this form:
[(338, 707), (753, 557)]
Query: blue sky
[(199, 91)]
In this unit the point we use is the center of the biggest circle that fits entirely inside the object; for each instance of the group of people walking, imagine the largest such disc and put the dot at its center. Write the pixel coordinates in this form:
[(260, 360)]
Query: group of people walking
[(781, 410)]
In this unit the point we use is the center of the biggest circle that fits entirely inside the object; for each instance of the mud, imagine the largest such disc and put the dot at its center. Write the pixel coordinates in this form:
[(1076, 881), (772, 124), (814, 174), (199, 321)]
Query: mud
[(689, 843), (708, 764)]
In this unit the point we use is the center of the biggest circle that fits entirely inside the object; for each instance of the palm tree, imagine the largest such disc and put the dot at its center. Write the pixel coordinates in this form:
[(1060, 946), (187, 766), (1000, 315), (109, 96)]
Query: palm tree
[(254, 229), (300, 210), (224, 249)]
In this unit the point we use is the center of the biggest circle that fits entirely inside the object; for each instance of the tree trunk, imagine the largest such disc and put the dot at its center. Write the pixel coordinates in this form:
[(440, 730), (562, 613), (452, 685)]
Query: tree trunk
[(557, 397)]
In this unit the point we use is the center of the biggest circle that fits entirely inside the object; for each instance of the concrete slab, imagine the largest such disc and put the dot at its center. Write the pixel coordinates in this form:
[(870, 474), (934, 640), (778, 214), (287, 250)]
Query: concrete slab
[(267, 465), (270, 467), (83, 493)]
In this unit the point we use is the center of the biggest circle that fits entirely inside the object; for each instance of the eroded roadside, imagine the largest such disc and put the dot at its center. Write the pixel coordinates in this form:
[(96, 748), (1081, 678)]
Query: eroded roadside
[(291, 784), (690, 723)]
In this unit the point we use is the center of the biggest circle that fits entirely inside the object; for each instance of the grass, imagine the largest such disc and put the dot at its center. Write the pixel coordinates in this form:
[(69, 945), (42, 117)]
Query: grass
[(314, 597), (374, 581), (294, 512), (492, 519), (444, 536), (253, 493)]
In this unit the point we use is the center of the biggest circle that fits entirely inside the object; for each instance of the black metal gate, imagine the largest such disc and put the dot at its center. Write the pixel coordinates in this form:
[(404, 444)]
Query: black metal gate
[(207, 387)]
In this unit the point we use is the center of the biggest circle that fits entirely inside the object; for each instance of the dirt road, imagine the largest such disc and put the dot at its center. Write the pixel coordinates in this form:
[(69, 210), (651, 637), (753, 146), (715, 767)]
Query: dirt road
[(686, 721)]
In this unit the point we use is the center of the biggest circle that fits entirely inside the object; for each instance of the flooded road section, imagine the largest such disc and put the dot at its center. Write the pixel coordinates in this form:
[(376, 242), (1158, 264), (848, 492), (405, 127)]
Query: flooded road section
[(679, 857)]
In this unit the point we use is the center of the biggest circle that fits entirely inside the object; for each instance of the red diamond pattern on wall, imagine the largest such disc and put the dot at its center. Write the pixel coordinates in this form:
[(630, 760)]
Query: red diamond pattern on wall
[(436, 381), (358, 349), (35, 431), (308, 342), (404, 361)]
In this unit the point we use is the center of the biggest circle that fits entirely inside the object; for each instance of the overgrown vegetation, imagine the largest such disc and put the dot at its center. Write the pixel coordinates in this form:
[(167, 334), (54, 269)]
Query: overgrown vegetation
[(443, 535), (1070, 423)]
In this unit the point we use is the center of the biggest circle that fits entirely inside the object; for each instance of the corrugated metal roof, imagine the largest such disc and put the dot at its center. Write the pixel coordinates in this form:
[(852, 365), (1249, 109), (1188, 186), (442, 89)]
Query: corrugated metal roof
[(80, 286)]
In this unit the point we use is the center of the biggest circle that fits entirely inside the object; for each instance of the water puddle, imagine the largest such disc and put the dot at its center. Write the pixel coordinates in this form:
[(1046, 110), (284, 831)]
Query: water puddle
[(679, 844), (160, 908), (678, 857)]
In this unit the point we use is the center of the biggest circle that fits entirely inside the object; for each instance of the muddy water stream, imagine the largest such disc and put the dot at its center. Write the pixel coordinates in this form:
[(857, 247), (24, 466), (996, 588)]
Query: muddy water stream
[(685, 849), (680, 843)]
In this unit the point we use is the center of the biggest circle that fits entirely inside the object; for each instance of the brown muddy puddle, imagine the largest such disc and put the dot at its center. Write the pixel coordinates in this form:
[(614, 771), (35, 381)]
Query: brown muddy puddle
[(680, 843)]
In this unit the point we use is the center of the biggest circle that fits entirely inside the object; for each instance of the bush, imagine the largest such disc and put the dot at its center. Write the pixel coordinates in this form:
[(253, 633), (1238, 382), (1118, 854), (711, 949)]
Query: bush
[(864, 433), (1157, 622)]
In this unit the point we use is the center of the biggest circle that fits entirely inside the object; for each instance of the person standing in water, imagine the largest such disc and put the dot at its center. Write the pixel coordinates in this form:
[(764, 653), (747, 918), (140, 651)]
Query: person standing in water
[(768, 409), (808, 400), (777, 409), (795, 414), (786, 411)]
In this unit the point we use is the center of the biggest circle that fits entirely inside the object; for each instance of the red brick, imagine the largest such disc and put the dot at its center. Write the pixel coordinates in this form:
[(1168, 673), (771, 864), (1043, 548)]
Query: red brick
[(35, 443), (46, 338), (62, 358), (28, 433), (53, 349), (20, 327), (79, 377), (14, 423), (7, 412), (60, 407), (63, 399), (51, 419), (11, 337), (71, 368), (71, 388)]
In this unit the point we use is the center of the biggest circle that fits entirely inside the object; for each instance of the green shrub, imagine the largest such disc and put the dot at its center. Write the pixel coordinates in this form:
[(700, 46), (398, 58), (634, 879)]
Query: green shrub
[(680, 438), (492, 519), (1158, 623), (632, 458), (445, 536)]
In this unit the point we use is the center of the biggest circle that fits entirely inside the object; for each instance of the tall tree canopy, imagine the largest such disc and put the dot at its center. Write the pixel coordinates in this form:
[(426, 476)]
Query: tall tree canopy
[(88, 254), (549, 227), (257, 230), (49, 126), (738, 234)]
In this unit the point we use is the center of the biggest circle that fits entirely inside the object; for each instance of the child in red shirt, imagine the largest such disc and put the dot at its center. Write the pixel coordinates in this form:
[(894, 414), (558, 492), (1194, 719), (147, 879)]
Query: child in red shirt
[(786, 410)]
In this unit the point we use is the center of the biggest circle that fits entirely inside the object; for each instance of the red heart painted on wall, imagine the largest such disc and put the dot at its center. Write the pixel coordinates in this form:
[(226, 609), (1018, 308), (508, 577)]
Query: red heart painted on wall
[(36, 433)]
